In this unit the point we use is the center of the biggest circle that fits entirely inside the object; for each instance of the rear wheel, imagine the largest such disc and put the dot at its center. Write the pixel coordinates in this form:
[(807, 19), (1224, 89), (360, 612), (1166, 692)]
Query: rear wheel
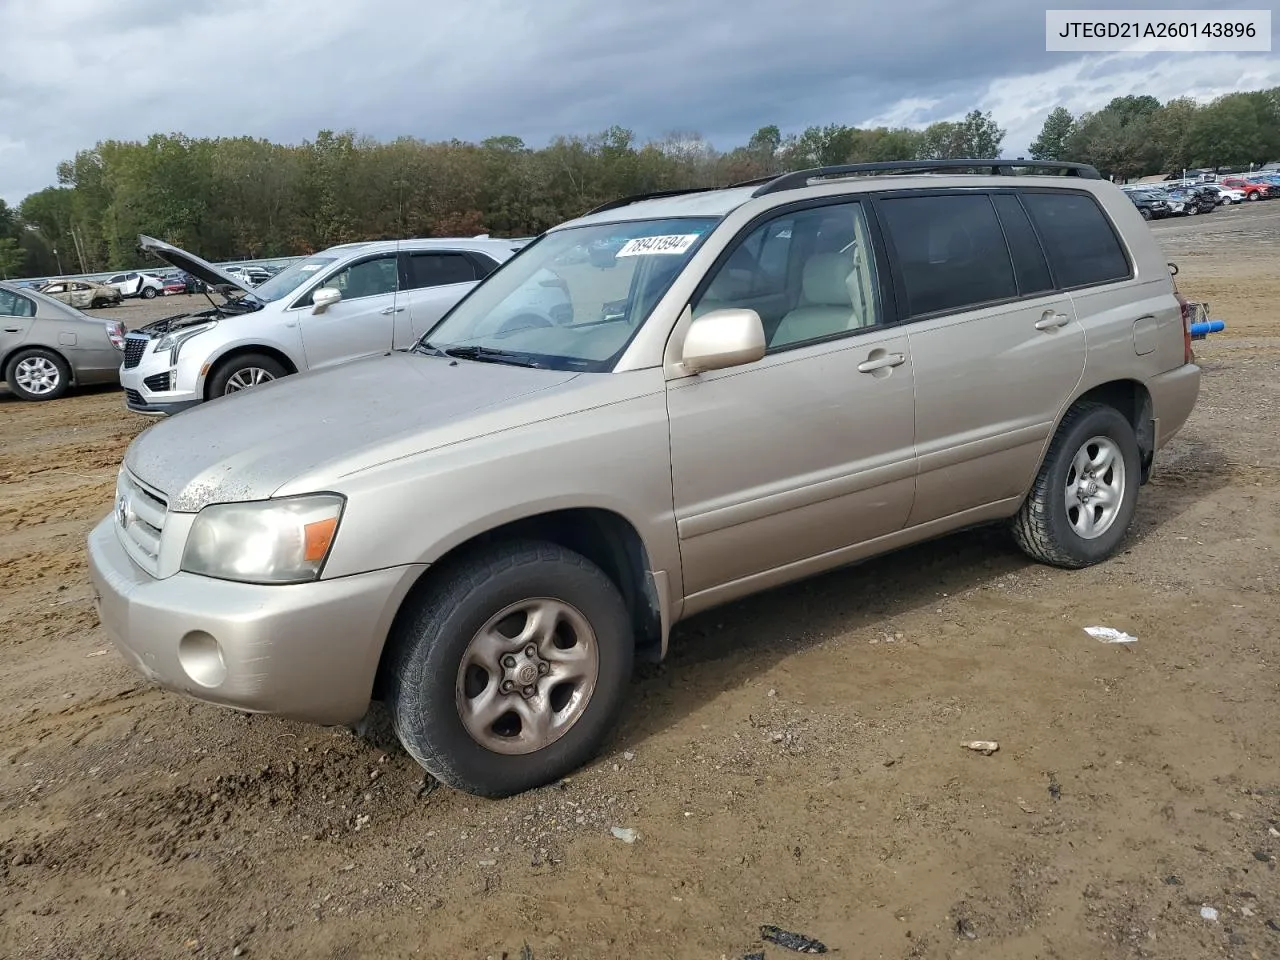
[(244, 371), (509, 671), (37, 374), (148, 293), (1086, 493)]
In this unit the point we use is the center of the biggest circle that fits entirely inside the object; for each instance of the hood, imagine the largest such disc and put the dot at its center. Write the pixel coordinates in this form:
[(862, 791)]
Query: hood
[(224, 283), (248, 445)]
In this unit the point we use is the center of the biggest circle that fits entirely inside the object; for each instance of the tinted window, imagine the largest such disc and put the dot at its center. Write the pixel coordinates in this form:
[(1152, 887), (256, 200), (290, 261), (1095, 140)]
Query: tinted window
[(439, 269), (1082, 247), (12, 305), (368, 278), (809, 275), (950, 251), (1029, 265)]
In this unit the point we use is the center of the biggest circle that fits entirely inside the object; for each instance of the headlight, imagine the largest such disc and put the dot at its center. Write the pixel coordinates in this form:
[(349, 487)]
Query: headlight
[(264, 541), (173, 341)]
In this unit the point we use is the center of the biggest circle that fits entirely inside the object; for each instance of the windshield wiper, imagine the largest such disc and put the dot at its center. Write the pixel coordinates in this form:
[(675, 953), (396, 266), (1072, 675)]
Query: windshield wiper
[(480, 354)]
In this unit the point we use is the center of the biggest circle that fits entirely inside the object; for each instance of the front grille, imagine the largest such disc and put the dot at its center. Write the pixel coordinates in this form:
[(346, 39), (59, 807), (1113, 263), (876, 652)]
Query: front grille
[(157, 381), (140, 514), (134, 397), (135, 345)]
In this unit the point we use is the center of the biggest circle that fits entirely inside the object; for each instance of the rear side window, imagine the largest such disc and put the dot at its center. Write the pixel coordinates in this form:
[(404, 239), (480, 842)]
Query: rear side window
[(1029, 265), (12, 305), (1083, 248), (439, 269), (951, 252)]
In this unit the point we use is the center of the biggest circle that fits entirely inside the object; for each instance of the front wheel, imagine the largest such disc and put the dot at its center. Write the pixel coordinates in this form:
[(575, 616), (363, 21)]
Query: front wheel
[(509, 671), (1146, 214), (1085, 495), (245, 371)]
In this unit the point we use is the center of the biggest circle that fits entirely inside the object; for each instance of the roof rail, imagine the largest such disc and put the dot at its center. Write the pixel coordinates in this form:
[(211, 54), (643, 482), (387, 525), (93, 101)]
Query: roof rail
[(801, 178), (627, 201), (656, 195)]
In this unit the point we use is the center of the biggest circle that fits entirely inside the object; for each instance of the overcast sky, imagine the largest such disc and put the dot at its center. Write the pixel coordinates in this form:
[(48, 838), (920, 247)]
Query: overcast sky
[(78, 71)]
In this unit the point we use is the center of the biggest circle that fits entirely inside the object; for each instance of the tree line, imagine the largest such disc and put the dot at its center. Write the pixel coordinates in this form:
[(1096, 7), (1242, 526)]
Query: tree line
[(242, 198)]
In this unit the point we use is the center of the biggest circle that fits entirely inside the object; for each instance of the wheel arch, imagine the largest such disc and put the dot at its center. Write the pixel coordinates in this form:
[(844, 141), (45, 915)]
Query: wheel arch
[(1132, 399), (232, 351), (604, 537)]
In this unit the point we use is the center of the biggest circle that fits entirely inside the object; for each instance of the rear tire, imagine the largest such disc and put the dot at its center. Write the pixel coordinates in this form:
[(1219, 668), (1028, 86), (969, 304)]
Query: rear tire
[(244, 372), (37, 374), (455, 694), (148, 293), (1062, 523)]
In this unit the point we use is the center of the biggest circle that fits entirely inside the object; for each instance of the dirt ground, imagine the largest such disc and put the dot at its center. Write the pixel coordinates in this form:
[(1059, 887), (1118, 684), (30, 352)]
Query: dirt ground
[(797, 761)]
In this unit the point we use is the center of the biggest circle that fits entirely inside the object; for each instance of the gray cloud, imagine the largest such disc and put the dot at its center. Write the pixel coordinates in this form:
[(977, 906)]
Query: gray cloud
[(283, 69)]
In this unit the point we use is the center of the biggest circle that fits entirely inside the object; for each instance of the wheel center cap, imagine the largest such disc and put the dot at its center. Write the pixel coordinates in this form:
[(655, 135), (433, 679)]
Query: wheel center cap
[(527, 674)]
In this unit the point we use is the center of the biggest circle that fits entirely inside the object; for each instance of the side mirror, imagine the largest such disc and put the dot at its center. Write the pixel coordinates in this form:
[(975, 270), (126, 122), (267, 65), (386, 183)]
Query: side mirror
[(723, 338), (324, 298)]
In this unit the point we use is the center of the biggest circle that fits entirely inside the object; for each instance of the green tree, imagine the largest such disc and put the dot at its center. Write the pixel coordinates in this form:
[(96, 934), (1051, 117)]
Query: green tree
[(1227, 133), (12, 257), (1051, 144)]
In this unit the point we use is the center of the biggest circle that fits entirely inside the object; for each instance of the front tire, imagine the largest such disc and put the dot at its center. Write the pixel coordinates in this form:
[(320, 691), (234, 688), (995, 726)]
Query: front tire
[(1086, 493), (244, 372), (37, 374), (509, 671)]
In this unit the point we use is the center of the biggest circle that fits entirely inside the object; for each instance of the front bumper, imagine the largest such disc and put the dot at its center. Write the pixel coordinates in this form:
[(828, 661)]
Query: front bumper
[(305, 651)]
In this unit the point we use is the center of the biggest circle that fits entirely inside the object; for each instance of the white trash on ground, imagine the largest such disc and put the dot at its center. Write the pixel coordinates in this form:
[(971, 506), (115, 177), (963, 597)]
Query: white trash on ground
[(1209, 913), (1109, 635)]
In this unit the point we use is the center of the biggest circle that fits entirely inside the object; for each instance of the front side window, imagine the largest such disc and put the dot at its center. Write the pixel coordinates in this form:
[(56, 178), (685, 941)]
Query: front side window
[(1082, 247), (368, 278), (12, 305), (950, 251), (810, 275), (574, 298)]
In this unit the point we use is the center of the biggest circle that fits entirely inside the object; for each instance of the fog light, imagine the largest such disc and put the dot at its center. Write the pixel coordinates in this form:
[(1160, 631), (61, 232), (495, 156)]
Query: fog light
[(201, 658)]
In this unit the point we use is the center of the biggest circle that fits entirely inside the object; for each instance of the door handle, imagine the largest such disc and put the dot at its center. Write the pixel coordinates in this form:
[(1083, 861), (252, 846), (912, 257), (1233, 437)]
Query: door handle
[(879, 363), (390, 310), (1052, 319)]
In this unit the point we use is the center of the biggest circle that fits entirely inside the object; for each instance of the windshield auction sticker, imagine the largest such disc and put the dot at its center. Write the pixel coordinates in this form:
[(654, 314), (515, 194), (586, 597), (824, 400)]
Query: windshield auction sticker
[(1151, 31), (643, 246)]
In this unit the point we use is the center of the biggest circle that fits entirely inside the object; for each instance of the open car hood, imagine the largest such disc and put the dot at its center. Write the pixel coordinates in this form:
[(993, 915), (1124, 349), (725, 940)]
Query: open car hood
[(229, 287)]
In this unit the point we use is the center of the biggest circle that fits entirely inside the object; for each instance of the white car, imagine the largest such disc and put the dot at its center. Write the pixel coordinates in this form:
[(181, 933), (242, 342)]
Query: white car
[(253, 276), (144, 285), (350, 301)]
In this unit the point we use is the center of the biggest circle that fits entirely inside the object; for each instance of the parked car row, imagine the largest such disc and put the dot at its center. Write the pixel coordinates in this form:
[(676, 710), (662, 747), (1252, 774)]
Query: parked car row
[(517, 472), (46, 345), (1158, 202)]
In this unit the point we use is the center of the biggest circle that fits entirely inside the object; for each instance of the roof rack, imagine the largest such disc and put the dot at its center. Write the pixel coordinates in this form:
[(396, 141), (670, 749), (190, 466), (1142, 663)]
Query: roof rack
[(801, 178)]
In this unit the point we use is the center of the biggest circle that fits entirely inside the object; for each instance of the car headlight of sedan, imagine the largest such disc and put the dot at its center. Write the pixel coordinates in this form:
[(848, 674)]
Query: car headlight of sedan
[(174, 340), (264, 541)]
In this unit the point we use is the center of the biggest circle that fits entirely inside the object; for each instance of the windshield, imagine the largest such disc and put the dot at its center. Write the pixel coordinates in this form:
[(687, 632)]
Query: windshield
[(573, 299), (288, 280)]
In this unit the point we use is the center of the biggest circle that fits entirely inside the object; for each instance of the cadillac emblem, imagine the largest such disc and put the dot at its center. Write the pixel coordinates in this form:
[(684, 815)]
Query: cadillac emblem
[(122, 509)]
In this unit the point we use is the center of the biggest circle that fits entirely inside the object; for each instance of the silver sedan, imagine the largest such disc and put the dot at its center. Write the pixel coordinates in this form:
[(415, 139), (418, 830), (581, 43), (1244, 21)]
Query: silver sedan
[(46, 346)]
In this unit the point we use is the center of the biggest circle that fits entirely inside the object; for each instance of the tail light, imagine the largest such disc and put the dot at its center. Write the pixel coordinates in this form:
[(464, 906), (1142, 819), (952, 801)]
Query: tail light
[(1188, 315), (115, 333)]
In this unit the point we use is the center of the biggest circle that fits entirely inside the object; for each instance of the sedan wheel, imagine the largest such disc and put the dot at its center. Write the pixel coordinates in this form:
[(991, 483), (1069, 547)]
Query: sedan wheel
[(38, 374)]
